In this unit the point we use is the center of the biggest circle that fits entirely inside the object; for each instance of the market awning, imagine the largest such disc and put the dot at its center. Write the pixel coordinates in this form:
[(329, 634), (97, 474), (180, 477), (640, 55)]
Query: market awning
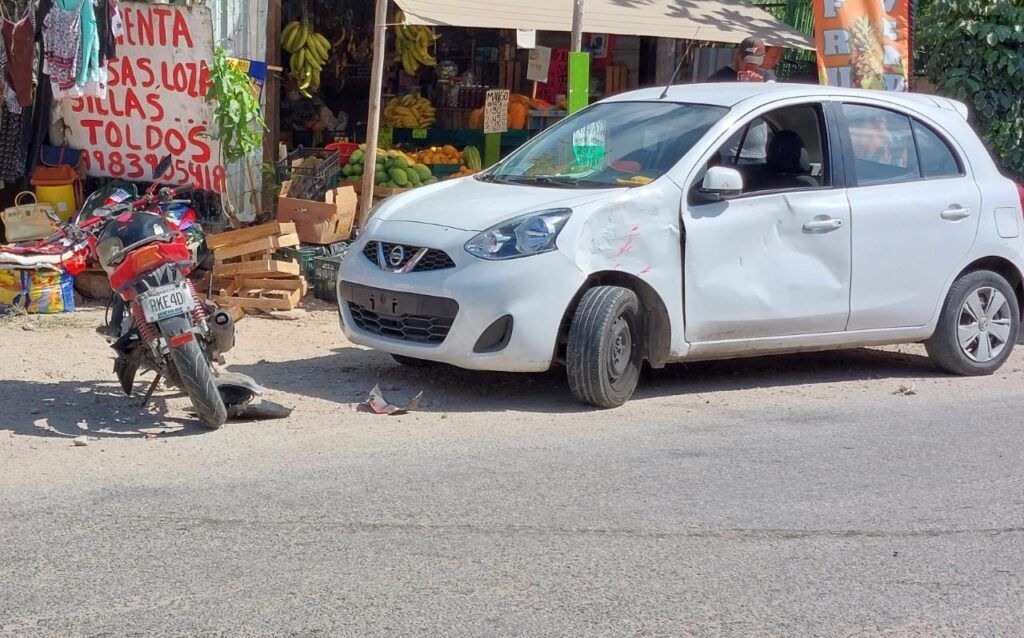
[(726, 21)]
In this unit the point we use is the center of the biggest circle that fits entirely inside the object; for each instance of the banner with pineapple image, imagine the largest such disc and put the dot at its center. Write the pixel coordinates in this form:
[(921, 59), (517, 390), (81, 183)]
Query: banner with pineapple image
[(863, 43)]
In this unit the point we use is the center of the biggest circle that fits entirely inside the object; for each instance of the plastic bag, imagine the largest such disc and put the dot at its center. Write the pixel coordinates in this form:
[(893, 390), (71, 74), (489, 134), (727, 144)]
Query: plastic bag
[(41, 291)]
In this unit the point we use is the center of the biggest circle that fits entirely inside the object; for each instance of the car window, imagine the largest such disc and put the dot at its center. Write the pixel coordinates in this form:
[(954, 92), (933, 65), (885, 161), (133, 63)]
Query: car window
[(937, 159), (784, 149), (609, 145), (883, 145)]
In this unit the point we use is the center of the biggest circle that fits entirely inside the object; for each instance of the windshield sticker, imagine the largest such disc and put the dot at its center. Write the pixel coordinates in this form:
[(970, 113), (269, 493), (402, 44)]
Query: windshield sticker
[(588, 147)]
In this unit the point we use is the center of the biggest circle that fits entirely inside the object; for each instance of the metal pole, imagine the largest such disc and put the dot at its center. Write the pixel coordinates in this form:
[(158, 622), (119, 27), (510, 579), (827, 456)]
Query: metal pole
[(577, 25), (373, 118)]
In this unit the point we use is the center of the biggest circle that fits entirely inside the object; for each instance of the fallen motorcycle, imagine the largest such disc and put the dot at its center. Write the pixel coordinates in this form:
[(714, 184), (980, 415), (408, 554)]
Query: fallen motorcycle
[(156, 319)]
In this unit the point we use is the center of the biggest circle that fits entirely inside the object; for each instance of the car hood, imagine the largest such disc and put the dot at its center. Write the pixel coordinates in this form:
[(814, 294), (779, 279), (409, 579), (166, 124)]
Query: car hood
[(469, 204)]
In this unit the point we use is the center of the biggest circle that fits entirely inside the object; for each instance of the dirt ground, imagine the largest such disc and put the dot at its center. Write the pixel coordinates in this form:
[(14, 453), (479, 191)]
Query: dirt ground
[(859, 493), (56, 384)]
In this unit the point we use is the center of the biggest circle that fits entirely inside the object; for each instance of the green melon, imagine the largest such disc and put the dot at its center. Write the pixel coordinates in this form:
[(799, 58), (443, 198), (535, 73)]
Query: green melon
[(399, 177)]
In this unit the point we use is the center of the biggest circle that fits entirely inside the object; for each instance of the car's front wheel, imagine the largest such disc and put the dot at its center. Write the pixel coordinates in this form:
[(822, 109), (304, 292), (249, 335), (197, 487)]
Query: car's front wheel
[(605, 350), (978, 325)]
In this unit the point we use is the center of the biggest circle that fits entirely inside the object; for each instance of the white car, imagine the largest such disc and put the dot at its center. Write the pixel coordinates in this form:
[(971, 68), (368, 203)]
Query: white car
[(702, 222)]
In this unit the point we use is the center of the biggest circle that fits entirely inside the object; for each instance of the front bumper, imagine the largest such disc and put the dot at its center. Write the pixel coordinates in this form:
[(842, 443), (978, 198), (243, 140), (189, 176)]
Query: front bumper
[(535, 291)]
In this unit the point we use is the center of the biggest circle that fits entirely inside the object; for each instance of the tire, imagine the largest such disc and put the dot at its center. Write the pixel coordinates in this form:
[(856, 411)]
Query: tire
[(195, 374), (604, 355), (413, 362), (964, 345)]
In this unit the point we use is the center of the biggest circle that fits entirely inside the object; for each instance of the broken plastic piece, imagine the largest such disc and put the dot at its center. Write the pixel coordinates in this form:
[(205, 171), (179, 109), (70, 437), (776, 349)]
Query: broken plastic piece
[(379, 405)]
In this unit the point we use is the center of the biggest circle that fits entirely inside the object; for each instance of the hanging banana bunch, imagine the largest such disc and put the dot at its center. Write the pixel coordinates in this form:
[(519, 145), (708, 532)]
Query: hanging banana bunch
[(309, 51), (411, 44)]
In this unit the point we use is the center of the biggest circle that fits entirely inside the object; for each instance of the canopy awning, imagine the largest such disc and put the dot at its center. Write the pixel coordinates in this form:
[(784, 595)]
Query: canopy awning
[(726, 21)]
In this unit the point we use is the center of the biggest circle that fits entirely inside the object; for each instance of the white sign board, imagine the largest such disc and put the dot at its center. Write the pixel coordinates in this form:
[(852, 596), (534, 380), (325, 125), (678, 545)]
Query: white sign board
[(537, 67), (496, 111), (526, 38), (155, 101)]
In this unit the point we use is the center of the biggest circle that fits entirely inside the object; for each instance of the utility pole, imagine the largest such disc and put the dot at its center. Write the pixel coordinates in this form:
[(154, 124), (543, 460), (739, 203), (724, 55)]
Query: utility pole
[(579, 63), (380, 28)]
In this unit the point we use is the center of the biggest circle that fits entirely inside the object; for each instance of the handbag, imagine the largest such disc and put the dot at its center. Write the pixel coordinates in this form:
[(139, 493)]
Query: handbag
[(61, 166), (27, 222)]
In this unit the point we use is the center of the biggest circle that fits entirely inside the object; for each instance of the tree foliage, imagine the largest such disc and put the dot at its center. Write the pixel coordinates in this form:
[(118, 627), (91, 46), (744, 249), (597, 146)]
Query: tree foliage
[(974, 52), (237, 113)]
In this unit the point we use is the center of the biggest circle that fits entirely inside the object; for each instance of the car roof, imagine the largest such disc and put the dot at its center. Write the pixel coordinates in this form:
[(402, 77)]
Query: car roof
[(730, 94)]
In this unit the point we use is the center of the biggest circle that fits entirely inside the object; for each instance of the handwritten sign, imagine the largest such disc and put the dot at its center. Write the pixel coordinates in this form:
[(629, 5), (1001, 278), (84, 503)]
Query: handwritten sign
[(155, 101), (496, 111), (538, 64)]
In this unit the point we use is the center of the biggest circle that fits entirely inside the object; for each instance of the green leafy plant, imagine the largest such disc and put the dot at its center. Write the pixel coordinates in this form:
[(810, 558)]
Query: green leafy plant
[(974, 51), (238, 118)]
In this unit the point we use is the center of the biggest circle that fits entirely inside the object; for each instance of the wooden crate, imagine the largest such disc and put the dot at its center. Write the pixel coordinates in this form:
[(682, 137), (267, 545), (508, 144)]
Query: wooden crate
[(262, 294), (616, 80)]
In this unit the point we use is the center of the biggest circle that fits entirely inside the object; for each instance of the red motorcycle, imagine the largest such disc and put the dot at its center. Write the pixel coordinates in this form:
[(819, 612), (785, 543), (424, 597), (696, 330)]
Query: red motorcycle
[(157, 319)]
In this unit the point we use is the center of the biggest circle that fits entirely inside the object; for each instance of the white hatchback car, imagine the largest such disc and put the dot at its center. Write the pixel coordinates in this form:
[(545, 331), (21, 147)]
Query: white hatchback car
[(705, 222)]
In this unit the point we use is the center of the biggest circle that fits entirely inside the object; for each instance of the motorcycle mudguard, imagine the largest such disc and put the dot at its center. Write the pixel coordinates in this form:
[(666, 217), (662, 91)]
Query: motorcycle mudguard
[(126, 366)]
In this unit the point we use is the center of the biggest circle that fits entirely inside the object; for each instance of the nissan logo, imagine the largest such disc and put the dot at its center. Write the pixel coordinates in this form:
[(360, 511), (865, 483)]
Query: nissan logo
[(396, 256)]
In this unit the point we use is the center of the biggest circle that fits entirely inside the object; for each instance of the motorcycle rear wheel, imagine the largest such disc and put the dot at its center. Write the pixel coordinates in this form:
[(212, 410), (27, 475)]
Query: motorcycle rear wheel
[(195, 374)]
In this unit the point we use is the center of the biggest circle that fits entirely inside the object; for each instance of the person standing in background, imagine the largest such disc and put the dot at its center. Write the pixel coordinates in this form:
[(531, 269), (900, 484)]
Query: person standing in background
[(748, 67)]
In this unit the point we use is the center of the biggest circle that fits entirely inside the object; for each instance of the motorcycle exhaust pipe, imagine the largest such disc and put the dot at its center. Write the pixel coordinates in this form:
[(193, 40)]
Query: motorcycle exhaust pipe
[(222, 331)]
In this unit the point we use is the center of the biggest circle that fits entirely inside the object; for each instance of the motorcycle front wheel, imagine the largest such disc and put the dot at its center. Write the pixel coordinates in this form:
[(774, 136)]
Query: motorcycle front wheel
[(195, 373)]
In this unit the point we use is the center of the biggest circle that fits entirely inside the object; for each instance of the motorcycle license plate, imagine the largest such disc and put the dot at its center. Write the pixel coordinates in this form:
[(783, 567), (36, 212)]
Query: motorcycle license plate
[(166, 301)]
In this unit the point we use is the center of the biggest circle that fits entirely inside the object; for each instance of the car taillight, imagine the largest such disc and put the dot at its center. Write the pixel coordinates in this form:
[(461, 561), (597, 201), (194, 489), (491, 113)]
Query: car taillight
[(1020, 191)]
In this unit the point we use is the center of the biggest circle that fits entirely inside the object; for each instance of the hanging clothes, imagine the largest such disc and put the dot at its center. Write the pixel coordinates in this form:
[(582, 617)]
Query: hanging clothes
[(89, 69), (19, 45), (12, 145), (62, 37), (105, 10)]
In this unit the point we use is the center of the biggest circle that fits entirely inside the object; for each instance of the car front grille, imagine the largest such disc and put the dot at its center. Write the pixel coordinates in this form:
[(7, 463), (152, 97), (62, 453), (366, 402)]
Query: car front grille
[(433, 259), (418, 328)]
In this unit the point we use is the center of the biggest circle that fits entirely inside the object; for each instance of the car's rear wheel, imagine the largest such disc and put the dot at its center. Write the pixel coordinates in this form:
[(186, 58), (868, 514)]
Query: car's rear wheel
[(978, 325), (605, 350)]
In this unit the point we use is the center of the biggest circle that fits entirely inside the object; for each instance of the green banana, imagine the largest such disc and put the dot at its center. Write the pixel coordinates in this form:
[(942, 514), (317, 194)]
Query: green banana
[(301, 36)]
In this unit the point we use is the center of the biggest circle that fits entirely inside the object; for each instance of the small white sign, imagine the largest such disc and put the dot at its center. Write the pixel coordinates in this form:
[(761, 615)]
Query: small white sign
[(526, 38), (496, 111), (537, 67)]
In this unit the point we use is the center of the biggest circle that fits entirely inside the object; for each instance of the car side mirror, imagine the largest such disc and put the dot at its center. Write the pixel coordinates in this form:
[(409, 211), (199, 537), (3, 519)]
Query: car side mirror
[(720, 183)]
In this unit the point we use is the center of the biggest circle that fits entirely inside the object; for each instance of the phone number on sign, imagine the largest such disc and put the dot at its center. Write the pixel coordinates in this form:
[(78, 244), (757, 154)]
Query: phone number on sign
[(140, 167)]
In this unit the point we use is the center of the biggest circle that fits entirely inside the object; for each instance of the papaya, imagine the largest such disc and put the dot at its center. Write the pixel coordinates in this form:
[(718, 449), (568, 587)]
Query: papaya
[(518, 113), (400, 162), (391, 184), (380, 177), (423, 170), (476, 119), (413, 176), (429, 181), (399, 177)]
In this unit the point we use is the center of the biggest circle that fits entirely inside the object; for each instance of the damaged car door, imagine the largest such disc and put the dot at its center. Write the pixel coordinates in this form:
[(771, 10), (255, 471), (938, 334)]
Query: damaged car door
[(774, 258)]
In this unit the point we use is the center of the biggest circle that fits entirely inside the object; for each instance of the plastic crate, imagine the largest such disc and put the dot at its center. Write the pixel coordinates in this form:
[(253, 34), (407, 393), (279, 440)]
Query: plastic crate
[(441, 171), (325, 173), (306, 255), (325, 277)]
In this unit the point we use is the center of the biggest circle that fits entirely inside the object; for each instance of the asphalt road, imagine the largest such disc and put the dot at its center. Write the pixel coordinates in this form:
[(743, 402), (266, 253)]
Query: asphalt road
[(801, 496)]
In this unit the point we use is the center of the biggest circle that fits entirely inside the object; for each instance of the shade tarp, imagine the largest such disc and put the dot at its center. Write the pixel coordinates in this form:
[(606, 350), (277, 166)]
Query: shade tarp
[(726, 21)]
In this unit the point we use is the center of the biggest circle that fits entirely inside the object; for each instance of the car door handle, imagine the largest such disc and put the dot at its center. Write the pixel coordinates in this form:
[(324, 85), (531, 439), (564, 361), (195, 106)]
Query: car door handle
[(956, 213), (823, 224)]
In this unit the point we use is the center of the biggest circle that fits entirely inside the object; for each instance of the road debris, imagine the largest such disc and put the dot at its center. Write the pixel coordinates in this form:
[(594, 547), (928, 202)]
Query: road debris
[(905, 391), (377, 404), (80, 441)]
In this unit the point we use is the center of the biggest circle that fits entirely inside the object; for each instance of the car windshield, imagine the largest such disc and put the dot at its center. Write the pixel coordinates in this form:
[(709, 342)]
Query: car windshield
[(611, 145)]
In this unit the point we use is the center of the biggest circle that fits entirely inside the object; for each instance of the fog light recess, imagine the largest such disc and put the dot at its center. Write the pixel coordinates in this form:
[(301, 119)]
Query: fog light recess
[(496, 337)]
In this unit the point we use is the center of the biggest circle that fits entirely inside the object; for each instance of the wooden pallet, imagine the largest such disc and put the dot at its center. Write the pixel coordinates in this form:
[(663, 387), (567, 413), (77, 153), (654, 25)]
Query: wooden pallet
[(262, 294), (247, 276)]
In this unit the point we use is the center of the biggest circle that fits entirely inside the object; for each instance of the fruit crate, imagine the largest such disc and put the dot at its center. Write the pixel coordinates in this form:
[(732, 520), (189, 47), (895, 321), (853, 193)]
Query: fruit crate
[(310, 182), (307, 254), (441, 171), (325, 278)]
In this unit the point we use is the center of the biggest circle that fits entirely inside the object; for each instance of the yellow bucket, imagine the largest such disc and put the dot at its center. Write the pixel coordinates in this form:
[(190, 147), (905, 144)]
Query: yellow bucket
[(61, 197)]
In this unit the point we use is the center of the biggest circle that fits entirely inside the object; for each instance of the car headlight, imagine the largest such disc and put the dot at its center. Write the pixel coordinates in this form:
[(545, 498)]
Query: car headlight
[(523, 236)]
